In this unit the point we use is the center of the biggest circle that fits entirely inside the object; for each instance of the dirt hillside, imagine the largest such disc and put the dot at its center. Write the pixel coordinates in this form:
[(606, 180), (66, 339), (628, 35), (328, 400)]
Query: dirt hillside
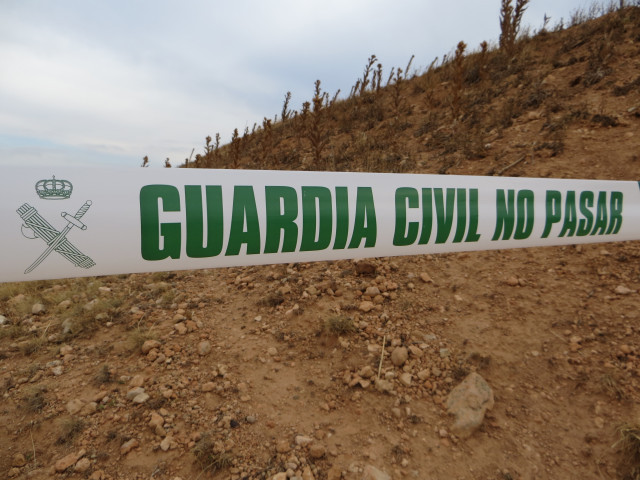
[(342, 370)]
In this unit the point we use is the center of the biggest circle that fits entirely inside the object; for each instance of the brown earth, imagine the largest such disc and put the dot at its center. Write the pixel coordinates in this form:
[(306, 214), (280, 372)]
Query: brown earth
[(294, 350)]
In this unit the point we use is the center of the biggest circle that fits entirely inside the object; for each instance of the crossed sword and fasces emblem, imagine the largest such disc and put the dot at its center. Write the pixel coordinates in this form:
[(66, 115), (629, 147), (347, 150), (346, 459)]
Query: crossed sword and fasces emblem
[(36, 226)]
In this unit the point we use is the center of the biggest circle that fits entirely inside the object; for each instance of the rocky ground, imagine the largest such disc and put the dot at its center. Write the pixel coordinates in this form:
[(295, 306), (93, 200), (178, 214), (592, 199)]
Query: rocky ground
[(519, 364), (327, 370)]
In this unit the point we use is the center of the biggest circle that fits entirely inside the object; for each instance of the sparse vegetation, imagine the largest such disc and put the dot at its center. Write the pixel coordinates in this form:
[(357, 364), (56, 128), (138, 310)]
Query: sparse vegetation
[(208, 459), (338, 325), (103, 375), (628, 445), (69, 429), (265, 354), (138, 336), (272, 300), (33, 400), (510, 20)]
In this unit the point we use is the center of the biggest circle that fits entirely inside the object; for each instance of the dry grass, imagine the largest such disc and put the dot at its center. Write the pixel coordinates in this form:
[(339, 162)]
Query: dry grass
[(612, 387), (338, 325), (30, 347), (628, 445), (208, 458), (138, 336), (104, 375), (33, 400), (69, 429), (510, 19), (272, 300)]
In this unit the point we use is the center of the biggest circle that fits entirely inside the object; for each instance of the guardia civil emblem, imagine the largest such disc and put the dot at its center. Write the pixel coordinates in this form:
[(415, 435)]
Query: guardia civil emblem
[(35, 226)]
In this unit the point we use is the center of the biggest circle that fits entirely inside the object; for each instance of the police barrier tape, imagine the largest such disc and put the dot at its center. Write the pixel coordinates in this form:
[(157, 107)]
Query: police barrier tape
[(85, 222)]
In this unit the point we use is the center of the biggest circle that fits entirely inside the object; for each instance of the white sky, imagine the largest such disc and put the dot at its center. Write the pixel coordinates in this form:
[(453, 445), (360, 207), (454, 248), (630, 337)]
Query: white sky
[(91, 82)]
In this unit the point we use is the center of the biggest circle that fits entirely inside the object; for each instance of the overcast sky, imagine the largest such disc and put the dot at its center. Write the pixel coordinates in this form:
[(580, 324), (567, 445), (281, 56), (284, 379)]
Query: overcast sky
[(88, 82)]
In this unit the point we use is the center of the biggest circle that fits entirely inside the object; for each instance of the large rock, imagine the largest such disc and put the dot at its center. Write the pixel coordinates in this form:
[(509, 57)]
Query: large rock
[(468, 402)]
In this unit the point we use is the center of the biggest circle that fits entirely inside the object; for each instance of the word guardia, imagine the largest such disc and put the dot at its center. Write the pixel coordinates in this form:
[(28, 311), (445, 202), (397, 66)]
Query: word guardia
[(319, 205), (314, 218)]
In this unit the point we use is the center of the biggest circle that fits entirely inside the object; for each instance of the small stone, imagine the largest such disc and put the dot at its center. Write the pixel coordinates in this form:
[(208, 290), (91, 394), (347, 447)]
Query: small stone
[(83, 465), (366, 306), (317, 451), (423, 374), (67, 326), (18, 460), (372, 291), (128, 446), (181, 328), (165, 444), (399, 356), (13, 472), (372, 473), (365, 268), (67, 461), (208, 387), (37, 309), (415, 351), (97, 475), (512, 281), (63, 305), (366, 372), (307, 474), (426, 278), (150, 345), (468, 402), (57, 370), (98, 397), (282, 446), (74, 406), (250, 419), (334, 473), (384, 385), (625, 349), (156, 420), (623, 290), (204, 347), (136, 381), (134, 392), (575, 339), (66, 350), (280, 476), (405, 379), (88, 409), (303, 441), (3, 320), (141, 398)]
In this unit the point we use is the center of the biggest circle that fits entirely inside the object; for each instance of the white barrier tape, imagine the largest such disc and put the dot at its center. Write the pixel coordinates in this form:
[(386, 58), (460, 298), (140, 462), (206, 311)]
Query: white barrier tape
[(87, 222)]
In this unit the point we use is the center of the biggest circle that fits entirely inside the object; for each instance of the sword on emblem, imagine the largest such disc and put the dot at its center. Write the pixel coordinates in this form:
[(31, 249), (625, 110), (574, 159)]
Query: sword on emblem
[(56, 240)]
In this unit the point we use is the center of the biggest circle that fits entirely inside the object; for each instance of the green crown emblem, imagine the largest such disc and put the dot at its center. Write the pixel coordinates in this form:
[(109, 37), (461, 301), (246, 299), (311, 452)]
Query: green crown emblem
[(53, 189)]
